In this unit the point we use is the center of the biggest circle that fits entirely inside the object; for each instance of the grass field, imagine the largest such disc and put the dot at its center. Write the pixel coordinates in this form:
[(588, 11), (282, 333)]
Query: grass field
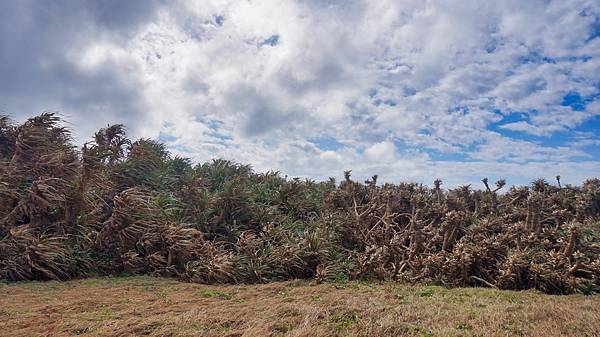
[(145, 306)]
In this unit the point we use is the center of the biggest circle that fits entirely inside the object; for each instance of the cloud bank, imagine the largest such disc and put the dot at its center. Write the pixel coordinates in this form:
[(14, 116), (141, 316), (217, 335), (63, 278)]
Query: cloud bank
[(409, 90)]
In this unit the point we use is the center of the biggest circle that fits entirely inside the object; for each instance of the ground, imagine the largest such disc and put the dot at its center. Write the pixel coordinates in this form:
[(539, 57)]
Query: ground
[(146, 306)]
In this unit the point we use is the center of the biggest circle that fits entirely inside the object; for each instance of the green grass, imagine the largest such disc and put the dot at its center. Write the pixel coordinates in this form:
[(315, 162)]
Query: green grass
[(207, 293)]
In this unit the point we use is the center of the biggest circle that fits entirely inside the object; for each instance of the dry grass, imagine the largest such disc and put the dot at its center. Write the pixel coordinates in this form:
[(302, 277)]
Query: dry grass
[(145, 306)]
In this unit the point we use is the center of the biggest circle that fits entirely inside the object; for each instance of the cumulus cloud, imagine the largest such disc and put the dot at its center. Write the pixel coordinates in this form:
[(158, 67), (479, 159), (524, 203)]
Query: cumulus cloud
[(47, 60), (406, 89)]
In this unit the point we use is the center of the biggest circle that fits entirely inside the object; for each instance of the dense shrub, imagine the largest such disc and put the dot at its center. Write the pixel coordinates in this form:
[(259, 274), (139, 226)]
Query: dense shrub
[(121, 206)]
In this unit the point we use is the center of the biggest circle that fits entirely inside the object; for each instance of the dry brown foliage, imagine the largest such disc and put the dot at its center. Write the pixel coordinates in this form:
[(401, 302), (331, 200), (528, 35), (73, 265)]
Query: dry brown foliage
[(119, 206)]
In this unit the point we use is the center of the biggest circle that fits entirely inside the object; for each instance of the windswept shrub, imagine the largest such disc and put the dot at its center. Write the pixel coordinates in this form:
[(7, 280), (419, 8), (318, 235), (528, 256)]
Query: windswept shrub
[(122, 206)]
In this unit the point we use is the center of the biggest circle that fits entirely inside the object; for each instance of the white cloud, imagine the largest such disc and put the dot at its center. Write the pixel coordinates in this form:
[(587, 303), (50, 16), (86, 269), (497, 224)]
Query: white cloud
[(383, 152), (256, 81), (498, 148)]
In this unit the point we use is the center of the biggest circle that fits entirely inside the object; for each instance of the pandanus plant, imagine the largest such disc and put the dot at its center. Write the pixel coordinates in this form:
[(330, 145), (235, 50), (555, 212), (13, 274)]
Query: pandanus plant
[(122, 206)]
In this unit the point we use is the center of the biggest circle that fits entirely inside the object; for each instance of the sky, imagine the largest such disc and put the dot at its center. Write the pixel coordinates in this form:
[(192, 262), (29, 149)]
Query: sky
[(411, 90)]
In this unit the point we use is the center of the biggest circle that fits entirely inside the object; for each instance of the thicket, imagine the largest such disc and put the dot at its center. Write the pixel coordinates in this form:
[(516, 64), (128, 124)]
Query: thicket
[(119, 206)]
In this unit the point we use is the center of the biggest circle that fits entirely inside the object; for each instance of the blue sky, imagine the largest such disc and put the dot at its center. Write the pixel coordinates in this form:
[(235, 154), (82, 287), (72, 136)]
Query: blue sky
[(406, 89)]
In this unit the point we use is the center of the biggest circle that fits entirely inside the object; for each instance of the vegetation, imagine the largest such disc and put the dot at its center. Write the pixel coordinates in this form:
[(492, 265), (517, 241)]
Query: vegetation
[(146, 306), (121, 206)]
